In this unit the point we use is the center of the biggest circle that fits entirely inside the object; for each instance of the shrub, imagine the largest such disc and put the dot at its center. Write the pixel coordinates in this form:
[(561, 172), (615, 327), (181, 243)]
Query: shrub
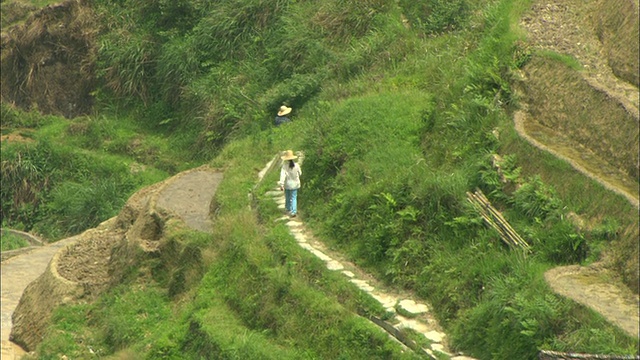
[(559, 243), (535, 199)]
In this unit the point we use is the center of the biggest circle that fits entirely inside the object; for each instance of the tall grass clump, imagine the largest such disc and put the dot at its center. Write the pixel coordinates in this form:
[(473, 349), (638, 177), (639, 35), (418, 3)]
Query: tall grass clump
[(126, 60), (25, 178), (77, 206), (436, 16), (13, 118), (58, 191), (12, 242), (341, 20)]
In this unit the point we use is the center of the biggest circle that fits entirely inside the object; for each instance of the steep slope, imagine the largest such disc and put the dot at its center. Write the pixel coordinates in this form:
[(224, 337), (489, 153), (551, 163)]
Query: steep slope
[(588, 116)]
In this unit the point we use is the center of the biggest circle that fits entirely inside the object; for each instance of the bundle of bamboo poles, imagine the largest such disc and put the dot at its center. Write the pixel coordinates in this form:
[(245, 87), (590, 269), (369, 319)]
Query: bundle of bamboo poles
[(495, 219)]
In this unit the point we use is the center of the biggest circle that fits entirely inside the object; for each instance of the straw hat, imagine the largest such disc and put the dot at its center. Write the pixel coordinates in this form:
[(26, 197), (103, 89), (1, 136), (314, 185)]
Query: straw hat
[(288, 155), (284, 110)]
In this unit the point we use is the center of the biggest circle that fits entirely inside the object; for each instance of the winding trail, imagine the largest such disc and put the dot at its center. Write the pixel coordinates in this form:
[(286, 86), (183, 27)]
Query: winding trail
[(408, 312), (17, 273)]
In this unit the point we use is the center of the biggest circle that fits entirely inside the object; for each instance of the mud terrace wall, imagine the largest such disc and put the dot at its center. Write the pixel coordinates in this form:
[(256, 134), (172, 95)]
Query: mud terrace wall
[(33, 313), (83, 270)]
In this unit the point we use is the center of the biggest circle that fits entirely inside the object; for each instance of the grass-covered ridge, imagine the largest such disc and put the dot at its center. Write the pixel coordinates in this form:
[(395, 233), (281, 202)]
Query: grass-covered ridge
[(397, 121)]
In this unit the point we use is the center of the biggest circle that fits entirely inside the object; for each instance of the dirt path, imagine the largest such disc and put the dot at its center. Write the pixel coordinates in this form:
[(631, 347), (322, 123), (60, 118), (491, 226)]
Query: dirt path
[(17, 273), (563, 26)]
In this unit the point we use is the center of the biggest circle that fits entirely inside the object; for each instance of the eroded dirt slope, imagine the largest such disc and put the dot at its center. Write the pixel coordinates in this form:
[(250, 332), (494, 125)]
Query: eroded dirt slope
[(48, 57)]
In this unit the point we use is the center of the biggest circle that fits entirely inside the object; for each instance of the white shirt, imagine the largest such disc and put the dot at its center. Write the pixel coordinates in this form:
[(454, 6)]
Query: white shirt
[(290, 176)]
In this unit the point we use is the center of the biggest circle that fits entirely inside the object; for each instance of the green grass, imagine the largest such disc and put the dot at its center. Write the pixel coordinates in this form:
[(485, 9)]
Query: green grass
[(396, 124), (568, 60), (12, 242)]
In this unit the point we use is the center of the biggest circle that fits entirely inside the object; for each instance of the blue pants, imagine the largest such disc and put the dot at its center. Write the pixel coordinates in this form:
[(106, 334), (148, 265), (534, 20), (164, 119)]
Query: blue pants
[(291, 200)]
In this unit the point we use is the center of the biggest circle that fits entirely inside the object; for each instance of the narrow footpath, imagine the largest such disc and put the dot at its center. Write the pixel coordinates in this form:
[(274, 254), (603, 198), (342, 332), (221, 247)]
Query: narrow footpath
[(18, 272), (188, 196), (408, 312)]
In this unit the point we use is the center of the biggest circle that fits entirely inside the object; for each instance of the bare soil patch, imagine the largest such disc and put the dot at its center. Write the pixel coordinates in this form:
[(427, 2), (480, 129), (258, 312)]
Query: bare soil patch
[(48, 57), (17, 138)]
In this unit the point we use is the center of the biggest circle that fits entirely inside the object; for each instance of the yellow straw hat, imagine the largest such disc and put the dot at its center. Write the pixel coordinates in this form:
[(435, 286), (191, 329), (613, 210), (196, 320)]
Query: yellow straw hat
[(288, 155), (284, 110)]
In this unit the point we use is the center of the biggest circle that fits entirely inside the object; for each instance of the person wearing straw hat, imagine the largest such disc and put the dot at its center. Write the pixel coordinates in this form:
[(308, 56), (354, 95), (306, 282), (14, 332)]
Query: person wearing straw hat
[(281, 117), (290, 181)]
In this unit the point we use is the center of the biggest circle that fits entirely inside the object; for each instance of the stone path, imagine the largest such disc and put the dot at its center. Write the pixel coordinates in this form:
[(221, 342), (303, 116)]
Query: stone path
[(418, 316), (17, 273), (190, 195)]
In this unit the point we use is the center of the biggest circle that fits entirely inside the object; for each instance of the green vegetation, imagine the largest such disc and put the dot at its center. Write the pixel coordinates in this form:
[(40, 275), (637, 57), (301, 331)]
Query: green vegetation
[(397, 124), (12, 242), (60, 177)]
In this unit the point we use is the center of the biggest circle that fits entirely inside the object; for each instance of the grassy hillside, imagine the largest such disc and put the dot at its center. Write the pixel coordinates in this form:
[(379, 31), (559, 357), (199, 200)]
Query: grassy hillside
[(399, 109)]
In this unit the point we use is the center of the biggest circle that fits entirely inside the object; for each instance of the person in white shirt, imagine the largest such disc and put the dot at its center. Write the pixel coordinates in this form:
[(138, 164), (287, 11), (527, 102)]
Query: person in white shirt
[(290, 181)]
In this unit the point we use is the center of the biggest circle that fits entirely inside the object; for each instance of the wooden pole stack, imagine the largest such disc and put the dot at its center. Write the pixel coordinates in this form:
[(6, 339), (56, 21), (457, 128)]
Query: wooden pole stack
[(495, 219)]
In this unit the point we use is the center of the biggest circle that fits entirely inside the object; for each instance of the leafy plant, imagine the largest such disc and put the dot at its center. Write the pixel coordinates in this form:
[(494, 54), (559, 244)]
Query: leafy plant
[(536, 199)]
